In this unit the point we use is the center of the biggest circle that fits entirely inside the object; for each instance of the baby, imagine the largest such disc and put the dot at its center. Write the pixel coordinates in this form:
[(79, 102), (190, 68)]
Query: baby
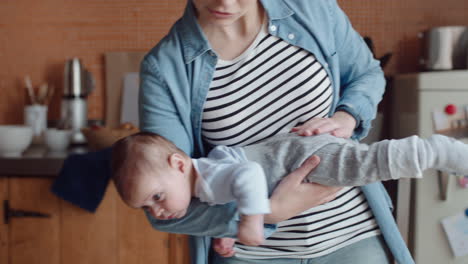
[(152, 173)]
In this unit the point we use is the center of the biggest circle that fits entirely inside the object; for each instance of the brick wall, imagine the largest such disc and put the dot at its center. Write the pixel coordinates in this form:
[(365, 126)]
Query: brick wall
[(36, 38), (394, 25)]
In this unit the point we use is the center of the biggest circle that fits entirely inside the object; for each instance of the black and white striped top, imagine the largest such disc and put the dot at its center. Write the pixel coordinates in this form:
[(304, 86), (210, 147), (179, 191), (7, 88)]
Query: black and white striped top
[(270, 88)]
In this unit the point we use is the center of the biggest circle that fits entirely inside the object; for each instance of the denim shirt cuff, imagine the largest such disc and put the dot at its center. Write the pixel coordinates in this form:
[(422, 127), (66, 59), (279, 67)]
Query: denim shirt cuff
[(352, 112), (269, 229), (362, 127)]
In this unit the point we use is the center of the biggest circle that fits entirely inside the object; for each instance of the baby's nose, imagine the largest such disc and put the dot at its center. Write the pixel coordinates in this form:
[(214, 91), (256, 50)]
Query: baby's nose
[(156, 211), (160, 213)]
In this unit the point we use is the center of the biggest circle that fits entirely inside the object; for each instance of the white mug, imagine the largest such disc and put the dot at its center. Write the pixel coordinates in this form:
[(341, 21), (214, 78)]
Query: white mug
[(35, 116)]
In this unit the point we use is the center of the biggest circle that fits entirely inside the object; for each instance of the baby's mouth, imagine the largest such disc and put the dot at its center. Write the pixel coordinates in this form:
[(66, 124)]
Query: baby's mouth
[(173, 216)]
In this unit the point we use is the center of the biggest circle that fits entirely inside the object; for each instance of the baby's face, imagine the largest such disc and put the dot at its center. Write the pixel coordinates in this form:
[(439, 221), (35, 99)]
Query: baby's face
[(165, 194)]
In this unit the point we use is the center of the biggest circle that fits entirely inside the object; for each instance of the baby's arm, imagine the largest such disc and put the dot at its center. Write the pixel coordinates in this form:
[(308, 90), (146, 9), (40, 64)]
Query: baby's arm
[(224, 246), (251, 230), (231, 178), (250, 233), (249, 188)]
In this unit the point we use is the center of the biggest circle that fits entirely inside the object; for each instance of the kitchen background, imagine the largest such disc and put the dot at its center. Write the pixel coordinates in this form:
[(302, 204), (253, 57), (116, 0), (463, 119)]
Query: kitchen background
[(36, 38)]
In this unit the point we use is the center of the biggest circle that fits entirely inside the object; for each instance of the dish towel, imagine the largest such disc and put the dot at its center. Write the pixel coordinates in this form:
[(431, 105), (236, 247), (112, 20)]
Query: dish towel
[(83, 179)]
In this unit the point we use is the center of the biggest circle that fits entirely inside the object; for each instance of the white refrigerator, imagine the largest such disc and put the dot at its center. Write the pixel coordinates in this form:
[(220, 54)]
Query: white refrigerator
[(423, 104)]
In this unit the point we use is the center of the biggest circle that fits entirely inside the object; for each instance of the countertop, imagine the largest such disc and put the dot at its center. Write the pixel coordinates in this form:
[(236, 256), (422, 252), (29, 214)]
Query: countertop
[(36, 161)]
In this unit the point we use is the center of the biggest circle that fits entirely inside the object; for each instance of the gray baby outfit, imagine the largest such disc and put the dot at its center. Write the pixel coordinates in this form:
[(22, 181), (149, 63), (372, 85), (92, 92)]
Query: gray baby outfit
[(249, 174)]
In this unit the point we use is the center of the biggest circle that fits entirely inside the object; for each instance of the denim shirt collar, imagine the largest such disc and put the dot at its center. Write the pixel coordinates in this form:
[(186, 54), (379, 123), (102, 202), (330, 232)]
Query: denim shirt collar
[(276, 9), (194, 40)]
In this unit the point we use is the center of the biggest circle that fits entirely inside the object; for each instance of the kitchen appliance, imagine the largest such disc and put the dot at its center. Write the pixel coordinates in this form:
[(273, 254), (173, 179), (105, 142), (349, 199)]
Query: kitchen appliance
[(78, 84), (424, 104), (445, 48)]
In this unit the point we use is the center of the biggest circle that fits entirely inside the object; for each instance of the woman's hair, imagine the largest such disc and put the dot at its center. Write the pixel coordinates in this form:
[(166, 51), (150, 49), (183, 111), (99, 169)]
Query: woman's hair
[(137, 154)]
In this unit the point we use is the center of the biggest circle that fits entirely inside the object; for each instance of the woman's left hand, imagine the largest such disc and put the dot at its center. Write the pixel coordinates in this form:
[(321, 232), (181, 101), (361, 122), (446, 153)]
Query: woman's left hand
[(341, 124)]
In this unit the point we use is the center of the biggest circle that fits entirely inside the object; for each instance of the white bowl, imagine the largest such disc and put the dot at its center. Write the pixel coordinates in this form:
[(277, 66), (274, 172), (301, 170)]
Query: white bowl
[(14, 139), (57, 140)]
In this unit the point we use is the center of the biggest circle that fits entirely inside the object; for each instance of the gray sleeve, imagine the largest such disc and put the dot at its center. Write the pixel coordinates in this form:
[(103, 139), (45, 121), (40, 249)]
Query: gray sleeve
[(343, 162), (352, 164)]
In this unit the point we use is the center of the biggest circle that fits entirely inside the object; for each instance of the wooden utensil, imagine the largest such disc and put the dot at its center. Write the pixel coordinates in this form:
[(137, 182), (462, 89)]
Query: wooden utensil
[(29, 89)]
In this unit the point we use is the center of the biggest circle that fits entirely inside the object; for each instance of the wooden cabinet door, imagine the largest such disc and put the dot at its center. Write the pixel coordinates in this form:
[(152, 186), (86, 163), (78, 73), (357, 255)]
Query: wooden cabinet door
[(34, 240), (139, 242), (3, 226), (179, 250), (114, 234), (89, 238)]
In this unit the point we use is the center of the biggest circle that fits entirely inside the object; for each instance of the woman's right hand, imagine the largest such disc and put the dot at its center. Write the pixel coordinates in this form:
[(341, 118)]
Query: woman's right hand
[(341, 124), (293, 196)]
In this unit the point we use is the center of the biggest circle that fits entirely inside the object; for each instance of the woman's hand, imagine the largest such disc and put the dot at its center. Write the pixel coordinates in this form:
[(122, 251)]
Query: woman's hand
[(293, 196), (341, 124)]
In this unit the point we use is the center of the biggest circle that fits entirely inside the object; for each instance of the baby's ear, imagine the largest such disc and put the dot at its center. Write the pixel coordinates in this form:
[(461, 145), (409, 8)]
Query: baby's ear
[(177, 161)]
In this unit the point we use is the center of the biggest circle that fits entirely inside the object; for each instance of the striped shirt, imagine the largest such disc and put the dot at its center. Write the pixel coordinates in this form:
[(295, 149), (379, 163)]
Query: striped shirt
[(270, 88)]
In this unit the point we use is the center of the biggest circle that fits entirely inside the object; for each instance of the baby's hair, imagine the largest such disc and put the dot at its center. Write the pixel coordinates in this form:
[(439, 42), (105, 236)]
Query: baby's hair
[(142, 152)]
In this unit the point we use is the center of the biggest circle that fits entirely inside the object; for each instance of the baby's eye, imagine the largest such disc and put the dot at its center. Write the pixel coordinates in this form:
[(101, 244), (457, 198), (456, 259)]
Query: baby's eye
[(157, 197)]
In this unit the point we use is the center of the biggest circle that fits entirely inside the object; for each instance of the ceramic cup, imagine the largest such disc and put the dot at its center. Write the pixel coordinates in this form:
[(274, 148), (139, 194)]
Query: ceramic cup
[(57, 140)]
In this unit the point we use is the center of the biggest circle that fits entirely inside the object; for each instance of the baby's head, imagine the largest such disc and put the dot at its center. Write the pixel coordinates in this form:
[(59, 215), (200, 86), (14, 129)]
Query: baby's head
[(150, 172)]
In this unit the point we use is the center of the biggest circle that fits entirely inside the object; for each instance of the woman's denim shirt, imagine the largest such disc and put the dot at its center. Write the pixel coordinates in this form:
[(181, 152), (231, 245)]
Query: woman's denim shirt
[(175, 78)]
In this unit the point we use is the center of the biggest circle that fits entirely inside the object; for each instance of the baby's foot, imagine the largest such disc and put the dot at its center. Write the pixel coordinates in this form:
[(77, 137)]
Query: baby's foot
[(224, 246), (452, 154)]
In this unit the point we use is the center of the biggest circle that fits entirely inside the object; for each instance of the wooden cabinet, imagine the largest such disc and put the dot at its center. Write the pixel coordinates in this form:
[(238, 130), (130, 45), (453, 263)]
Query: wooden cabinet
[(3, 226), (114, 234), (33, 240)]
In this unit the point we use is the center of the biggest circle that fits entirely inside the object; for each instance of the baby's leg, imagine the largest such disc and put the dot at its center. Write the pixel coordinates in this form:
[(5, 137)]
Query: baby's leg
[(443, 153), (350, 164)]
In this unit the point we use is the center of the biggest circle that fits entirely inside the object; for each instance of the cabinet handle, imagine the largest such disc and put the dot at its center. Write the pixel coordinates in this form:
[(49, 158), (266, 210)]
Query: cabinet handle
[(9, 213)]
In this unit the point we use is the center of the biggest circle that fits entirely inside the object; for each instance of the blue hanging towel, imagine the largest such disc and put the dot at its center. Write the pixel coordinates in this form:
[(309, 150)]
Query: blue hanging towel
[(83, 179)]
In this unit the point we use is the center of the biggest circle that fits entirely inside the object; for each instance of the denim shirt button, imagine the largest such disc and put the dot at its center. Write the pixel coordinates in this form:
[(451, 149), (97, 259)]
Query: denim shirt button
[(291, 36), (273, 28)]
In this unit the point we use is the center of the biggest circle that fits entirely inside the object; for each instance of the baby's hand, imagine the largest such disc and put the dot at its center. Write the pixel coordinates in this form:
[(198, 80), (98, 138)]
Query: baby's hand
[(251, 230), (224, 246)]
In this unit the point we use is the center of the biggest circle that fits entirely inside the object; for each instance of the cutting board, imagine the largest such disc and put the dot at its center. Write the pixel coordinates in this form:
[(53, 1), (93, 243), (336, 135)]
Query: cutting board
[(118, 64), (131, 84)]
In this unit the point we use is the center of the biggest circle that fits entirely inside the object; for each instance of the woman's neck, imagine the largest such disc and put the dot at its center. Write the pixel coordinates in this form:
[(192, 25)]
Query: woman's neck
[(244, 26), (229, 41)]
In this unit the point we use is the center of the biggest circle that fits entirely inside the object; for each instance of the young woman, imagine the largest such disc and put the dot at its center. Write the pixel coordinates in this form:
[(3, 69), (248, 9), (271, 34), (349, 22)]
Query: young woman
[(233, 72)]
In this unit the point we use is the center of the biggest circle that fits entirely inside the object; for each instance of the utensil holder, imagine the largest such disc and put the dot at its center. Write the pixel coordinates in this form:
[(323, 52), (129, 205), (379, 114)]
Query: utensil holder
[(35, 116)]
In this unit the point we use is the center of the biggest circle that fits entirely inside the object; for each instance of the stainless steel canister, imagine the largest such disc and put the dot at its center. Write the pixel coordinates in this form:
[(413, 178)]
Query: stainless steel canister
[(78, 84), (445, 48)]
